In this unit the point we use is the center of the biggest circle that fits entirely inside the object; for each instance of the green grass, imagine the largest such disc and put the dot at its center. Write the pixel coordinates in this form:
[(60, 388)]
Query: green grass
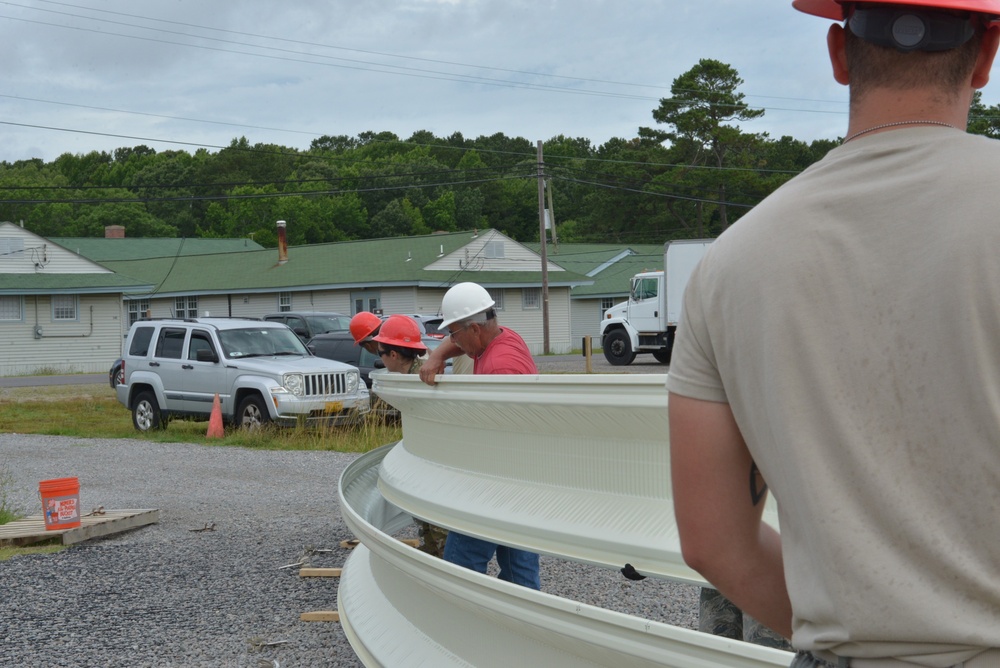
[(47, 547), (91, 411)]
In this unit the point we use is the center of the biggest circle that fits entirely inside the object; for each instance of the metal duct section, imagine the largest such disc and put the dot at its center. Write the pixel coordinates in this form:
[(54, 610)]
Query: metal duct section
[(572, 466)]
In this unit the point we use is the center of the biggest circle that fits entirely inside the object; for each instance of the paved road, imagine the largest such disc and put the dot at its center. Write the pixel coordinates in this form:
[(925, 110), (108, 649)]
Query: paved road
[(546, 364), (577, 364), (37, 381)]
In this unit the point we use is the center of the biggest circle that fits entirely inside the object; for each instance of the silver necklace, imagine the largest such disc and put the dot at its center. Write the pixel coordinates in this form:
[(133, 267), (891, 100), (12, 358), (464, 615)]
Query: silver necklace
[(895, 124)]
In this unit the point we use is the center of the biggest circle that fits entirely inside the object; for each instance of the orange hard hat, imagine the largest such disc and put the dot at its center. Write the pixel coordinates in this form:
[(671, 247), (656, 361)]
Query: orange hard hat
[(834, 9), (363, 325), (402, 331)]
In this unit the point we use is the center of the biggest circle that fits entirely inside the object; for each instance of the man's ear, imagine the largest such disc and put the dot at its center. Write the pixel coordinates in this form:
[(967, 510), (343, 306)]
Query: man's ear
[(835, 39), (987, 52)]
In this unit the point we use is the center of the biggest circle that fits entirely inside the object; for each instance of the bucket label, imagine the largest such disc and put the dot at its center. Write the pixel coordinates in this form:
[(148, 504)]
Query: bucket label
[(61, 509)]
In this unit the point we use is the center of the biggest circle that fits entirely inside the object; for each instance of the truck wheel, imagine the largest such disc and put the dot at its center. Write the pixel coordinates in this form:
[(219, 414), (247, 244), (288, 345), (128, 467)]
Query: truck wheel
[(618, 349), (663, 356), (146, 414), (252, 412)]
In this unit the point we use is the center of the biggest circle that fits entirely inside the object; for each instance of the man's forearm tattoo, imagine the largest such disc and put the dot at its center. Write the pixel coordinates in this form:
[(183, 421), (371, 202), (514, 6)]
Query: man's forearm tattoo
[(758, 487)]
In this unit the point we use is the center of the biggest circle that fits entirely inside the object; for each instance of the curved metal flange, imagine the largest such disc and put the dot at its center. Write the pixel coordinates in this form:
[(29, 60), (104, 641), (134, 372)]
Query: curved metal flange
[(400, 607), (567, 465)]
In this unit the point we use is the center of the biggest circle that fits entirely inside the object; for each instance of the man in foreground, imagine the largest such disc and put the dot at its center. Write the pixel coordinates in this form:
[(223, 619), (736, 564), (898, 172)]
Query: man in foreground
[(839, 345), (471, 321)]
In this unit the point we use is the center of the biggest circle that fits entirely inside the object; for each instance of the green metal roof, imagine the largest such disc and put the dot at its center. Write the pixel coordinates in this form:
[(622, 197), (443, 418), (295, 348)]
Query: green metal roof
[(42, 283), (100, 249), (610, 266), (353, 264)]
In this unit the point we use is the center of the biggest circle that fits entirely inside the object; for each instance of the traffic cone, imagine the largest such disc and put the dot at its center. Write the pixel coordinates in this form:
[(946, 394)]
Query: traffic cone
[(215, 429)]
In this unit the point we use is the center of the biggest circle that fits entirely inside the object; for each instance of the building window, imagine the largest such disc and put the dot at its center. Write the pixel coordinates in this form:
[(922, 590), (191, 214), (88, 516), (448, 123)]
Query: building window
[(186, 307), (606, 303), (494, 250), (11, 248), (137, 308), (10, 308), (284, 302), (64, 307), (496, 294), (531, 298)]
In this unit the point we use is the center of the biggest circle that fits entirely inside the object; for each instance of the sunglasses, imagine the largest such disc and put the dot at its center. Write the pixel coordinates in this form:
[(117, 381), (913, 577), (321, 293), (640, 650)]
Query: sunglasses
[(383, 353)]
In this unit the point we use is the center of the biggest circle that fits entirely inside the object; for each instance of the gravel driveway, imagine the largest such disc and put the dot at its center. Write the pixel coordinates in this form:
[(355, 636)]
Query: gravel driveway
[(170, 595), (166, 595)]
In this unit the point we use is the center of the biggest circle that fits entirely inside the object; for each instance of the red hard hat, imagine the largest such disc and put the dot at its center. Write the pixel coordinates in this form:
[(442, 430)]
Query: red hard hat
[(834, 9), (364, 325), (402, 331)]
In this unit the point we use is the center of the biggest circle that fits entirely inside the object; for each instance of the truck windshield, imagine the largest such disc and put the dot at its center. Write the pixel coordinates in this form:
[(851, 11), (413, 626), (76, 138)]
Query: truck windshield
[(260, 342), (643, 288)]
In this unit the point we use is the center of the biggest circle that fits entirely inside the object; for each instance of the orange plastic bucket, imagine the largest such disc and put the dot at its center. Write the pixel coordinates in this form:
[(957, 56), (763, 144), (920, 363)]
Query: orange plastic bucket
[(60, 502)]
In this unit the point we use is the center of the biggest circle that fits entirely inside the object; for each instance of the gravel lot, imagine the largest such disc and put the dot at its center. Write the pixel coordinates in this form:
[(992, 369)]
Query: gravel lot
[(167, 595)]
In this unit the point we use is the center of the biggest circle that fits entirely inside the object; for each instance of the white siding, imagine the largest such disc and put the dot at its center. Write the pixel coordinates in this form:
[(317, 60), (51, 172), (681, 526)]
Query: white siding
[(89, 345), (472, 257), (586, 317), (529, 323), (43, 256)]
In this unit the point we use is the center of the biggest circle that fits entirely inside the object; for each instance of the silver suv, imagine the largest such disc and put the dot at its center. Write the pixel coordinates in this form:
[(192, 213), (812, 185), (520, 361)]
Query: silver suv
[(260, 370)]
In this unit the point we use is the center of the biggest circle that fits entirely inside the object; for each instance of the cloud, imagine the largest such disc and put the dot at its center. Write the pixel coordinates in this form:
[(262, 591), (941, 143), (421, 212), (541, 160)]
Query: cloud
[(205, 72)]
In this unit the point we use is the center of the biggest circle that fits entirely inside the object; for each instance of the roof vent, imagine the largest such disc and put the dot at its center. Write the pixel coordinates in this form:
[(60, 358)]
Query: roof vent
[(282, 243)]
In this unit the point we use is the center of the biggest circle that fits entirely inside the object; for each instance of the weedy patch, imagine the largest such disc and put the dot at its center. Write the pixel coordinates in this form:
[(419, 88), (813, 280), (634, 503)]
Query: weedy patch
[(9, 510)]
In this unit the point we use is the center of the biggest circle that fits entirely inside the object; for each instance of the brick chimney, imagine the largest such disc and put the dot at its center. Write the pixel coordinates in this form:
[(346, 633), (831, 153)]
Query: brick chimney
[(114, 232), (282, 243)]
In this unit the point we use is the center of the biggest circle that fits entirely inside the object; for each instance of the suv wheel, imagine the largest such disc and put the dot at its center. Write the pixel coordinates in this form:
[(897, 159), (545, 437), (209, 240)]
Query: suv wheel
[(252, 412), (146, 413)]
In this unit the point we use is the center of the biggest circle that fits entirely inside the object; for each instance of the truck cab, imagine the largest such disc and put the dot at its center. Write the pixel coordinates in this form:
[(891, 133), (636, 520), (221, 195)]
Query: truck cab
[(647, 321)]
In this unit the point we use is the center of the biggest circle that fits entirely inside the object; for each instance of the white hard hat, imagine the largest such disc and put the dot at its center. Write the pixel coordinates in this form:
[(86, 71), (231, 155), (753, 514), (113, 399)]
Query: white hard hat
[(464, 300)]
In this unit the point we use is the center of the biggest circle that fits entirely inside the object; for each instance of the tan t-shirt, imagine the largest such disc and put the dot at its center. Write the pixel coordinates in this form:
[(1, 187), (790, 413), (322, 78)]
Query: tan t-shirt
[(852, 322)]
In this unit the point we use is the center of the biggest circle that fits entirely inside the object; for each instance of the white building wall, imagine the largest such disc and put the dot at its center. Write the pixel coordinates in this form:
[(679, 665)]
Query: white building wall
[(42, 256), (528, 323), (478, 255), (89, 344), (586, 320)]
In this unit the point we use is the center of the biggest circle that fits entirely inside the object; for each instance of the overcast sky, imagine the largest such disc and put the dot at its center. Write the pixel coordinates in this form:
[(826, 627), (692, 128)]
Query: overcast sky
[(179, 74)]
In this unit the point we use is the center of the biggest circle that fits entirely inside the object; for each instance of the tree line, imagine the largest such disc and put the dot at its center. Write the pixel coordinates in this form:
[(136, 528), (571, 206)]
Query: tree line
[(690, 176)]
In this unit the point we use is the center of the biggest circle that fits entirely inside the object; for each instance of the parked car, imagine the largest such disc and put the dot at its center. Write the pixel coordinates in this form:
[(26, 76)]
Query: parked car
[(260, 371), (429, 324), (116, 375), (307, 324), (340, 346)]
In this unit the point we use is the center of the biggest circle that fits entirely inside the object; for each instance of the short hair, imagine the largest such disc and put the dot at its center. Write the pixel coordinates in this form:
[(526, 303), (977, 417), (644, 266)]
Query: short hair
[(403, 351), (872, 66), (480, 318)]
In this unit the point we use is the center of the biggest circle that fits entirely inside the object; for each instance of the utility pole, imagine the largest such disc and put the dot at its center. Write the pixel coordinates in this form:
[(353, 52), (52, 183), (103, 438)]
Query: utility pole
[(552, 215), (545, 258)]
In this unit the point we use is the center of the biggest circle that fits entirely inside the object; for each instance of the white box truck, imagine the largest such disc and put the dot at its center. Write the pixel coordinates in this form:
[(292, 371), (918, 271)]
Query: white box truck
[(647, 321)]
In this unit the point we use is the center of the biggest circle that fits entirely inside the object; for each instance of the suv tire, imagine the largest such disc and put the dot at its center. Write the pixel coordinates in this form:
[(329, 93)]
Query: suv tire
[(252, 412), (146, 414)]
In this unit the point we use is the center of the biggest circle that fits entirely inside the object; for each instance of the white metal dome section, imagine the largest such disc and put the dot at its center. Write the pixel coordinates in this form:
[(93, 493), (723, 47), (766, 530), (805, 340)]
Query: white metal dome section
[(571, 466), (401, 607)]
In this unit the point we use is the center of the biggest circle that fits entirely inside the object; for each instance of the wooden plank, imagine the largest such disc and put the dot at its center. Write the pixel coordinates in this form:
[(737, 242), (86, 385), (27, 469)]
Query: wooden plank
[(320, 616), (113, 525), (319, 572), (32, 529)]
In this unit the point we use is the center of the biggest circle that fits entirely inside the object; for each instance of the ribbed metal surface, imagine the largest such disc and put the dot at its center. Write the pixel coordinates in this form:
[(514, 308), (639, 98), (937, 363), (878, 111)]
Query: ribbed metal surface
[(401, 607), (575, 466), (324, 384)]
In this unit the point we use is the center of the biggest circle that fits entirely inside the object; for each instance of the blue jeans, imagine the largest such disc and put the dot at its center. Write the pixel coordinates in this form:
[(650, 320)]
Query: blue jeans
[(516, 566)]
